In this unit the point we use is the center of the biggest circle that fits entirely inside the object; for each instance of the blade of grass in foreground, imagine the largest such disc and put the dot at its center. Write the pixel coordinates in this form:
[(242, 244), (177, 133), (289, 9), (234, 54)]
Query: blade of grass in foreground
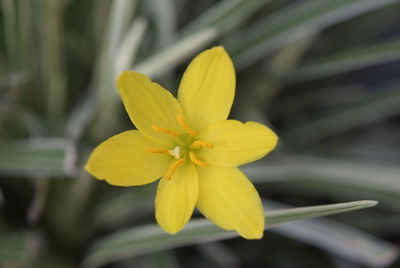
[(151, 238), (338, 239)]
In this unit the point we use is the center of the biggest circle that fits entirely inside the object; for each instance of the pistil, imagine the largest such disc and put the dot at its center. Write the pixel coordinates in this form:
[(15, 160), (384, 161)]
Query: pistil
[(176, 152)]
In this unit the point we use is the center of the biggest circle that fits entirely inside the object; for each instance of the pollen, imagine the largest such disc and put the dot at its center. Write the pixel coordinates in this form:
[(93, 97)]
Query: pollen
[(188, 129), (176, 152), (198, 144), (165, 131), (174, 167), (195, 160)]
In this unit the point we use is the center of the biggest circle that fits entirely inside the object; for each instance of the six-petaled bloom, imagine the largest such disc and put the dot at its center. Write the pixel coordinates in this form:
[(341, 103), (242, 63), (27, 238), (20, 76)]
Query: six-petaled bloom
[(188, 142)]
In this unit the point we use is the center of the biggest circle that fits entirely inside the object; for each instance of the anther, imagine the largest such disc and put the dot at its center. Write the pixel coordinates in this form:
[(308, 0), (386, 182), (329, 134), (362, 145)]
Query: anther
[(198, 144), (157, 151), (165, 131), (183, 124), (195, 160), (174, 167)]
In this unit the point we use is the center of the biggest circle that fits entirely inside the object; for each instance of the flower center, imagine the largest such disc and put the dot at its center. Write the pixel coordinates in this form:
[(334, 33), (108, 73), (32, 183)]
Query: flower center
[(185, 147), (176, 152)]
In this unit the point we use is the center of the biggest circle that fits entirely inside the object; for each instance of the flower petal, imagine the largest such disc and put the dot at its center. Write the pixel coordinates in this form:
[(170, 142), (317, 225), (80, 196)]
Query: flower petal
[(236, 143), (176, 198), (207, 88), (122, 160), (227, 198), (147, 104)]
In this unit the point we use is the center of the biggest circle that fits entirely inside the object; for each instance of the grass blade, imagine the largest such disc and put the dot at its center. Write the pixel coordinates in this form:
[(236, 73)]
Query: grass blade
[(293, 23), (10, 31), (220, 18), (52, 59), (225, 15), (129, 46), (37, 158), (173, 55), (165, 16), (17, 249), (120, 14), (347, 61), (113, 211), (376, 107), (150, 238), (340, 178), (339, 239)]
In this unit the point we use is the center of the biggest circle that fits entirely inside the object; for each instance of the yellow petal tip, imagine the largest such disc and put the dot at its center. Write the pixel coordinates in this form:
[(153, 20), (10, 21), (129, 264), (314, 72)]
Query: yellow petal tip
[(170, 229), (218, 48), (171, 232), (89, 170), (122, 75), (125, 78), (86, 168), (253, 236)]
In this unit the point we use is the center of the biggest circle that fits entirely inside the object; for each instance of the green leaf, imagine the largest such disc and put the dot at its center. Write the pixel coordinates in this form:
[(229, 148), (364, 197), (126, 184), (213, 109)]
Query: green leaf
[(54, 85), (293, 23), (10, 31), (167, 259), (339, 239), (164, 16), (15, 248), (151, 238), (129, 46), (37, 157), (171, 56), (347, 61), (225, 15), (120, 14), (114, 211), (217, 20), (338, 178), (375, 108)]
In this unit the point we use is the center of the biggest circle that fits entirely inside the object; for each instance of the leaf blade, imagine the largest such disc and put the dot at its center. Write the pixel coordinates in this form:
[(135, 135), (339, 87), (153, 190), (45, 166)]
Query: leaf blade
[(293, 23), (150, 238)]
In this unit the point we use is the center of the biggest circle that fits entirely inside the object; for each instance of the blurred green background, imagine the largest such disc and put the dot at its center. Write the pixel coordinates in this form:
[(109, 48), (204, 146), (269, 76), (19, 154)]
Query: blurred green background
[(324, 74)]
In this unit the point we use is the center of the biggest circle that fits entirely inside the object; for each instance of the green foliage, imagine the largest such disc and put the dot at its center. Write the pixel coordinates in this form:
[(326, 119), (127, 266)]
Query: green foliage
[(145, 239), (323, 74)]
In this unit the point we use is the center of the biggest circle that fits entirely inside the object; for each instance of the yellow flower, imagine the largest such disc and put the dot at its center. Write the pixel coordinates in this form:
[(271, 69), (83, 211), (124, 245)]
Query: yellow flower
[(188, 142)]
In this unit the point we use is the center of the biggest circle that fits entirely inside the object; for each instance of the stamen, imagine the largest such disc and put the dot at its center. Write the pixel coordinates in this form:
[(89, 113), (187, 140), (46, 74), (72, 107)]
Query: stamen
[(165, 131), (195, 160), (173, 167), (176, 152), (183, 124), (198, 144), (157, 151)]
